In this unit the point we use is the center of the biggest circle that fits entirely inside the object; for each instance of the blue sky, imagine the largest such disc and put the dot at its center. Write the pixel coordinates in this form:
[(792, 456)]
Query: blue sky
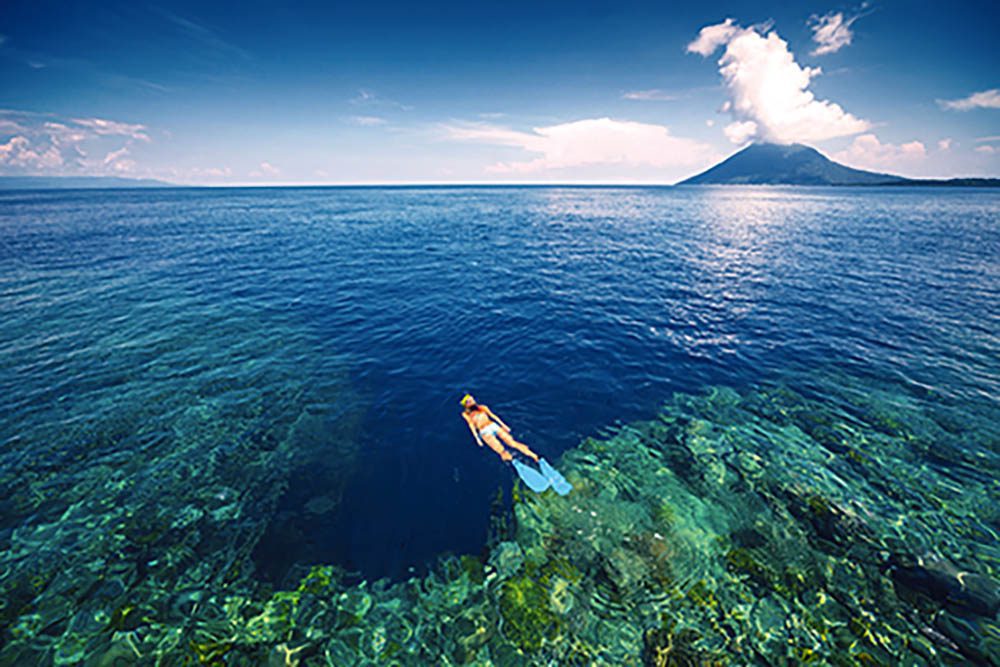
[(252, 93)]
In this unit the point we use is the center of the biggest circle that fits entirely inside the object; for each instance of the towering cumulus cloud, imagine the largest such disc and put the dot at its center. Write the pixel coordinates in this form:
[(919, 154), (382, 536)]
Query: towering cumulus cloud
[(769, 95)]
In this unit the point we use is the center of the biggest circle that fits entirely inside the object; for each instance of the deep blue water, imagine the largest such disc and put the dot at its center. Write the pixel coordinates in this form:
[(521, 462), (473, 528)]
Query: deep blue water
[(350, 321)]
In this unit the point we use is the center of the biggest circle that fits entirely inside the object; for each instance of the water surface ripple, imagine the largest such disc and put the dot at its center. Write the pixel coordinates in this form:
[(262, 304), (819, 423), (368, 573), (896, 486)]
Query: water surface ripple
[(353, 319)]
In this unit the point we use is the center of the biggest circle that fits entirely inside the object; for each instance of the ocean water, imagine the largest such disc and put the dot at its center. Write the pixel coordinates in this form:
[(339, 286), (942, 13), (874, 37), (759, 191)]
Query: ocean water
[(230, 426)]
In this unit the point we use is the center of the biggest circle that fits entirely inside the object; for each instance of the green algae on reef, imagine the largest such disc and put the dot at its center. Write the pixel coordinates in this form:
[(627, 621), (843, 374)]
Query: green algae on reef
[(764, 527)]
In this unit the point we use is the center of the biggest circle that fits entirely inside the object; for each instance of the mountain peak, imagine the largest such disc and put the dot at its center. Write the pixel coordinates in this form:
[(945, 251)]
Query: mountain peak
[(786, 164)]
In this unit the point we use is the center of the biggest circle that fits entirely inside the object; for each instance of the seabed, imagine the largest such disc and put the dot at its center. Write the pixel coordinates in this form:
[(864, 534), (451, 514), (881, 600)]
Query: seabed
[(853, 526)]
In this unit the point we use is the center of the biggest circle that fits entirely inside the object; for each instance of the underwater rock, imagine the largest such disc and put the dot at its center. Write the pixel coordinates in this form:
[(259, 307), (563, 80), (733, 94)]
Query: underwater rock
[(626, 570), (666, 646), (507, 559), (742, 561), (826, 435), (827, 519), (284, 655), (945, 583), (528, 618), (749, 538), (977, 639), (321, 505)]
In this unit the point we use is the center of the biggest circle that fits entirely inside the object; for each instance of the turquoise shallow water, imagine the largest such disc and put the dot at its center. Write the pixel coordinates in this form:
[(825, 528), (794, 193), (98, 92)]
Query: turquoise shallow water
[(230, 427)]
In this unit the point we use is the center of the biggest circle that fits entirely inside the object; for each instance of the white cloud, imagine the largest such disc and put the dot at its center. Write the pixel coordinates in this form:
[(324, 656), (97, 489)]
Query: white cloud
[(981, 140), (768, 88), (987, 99), (831, 32), (367, 121), (115, 156), (986, 148), (712, 37), (119, 161), (650, 95), (104, 127), (945, 144), (8, 126), (265, 169), (595, 141), (19, 154), (39, 143), (867, 152), (62, 135)]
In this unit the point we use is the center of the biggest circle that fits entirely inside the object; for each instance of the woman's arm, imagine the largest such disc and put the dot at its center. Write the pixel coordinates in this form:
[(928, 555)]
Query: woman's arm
[(497, 419)]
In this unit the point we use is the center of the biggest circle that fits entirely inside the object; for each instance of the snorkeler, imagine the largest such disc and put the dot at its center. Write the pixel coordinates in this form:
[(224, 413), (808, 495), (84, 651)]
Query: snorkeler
[(487, 427)]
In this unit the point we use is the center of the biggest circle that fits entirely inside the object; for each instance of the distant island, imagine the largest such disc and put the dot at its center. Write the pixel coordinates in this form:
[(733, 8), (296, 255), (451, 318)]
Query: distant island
[(77, 182), (795, 164)]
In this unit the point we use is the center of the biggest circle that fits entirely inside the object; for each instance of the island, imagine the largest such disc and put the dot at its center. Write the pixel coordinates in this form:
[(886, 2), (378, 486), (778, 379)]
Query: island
[(796, 164), (77, 182)]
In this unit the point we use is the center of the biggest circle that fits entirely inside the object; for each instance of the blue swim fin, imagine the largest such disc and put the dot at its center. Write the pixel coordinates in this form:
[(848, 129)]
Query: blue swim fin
[(531, 477), (559, 483)]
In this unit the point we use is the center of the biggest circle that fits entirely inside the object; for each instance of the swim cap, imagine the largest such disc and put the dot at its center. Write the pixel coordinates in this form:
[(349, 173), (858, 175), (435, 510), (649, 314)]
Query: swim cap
[(466, 399)]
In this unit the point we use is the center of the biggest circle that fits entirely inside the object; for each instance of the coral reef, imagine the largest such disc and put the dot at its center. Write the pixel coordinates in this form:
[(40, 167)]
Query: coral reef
[(770, 526)]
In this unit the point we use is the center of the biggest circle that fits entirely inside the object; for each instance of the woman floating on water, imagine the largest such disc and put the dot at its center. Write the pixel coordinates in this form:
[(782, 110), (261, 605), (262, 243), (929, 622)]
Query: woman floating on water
[(487, 427)]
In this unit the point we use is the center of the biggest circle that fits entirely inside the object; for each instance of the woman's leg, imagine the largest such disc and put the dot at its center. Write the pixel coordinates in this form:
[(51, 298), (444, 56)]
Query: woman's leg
[(519, 446), (494, 444)]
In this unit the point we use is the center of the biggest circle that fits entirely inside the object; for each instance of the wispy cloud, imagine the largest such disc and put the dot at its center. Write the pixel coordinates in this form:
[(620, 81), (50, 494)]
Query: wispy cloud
[(596, 141), (206, 37), (650, 95), (987, 99), (367, 121), (48, 144), (985, 149), (115, 156), (81, 67), (990, 139), (368, 97), (364, 96), (831, 32), (769, 96)]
